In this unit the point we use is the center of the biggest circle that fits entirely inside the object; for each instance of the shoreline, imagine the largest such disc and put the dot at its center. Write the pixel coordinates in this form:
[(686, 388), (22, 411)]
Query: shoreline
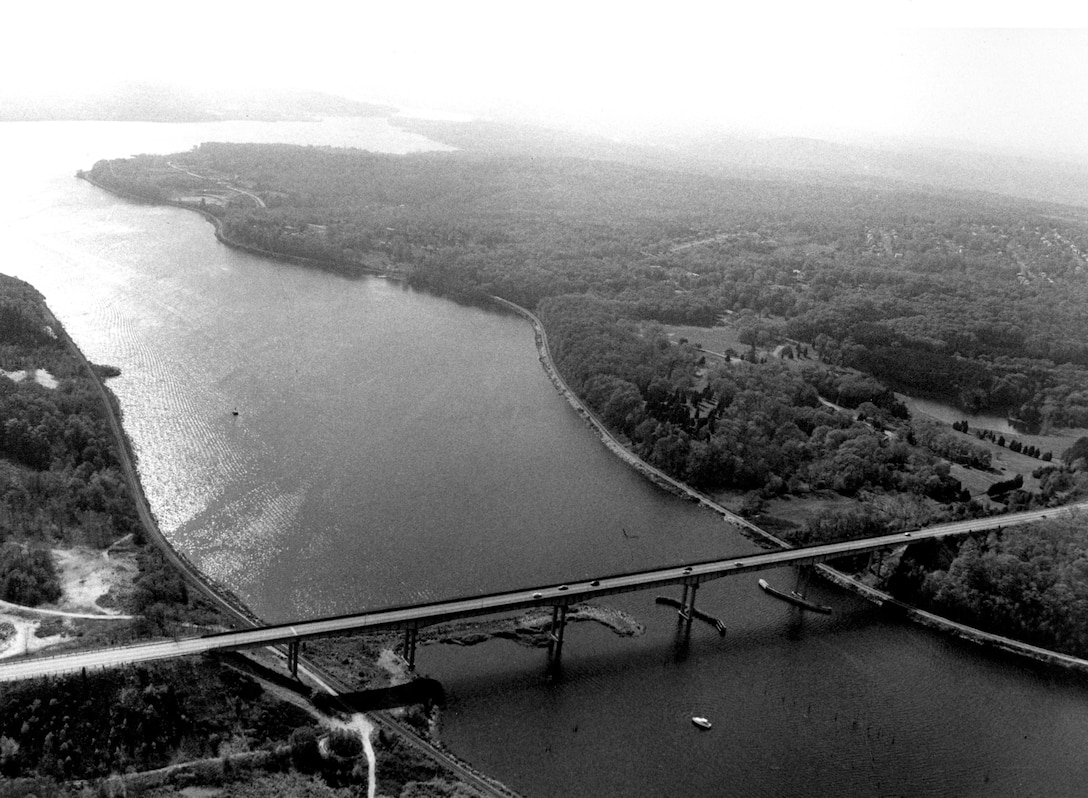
[(838, 578), (324, 264), (529, 629), (224, 598), (654, 475), (221, 596)]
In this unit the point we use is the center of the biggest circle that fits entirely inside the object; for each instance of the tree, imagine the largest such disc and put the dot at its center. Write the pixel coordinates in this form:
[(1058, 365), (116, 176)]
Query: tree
[(1078, 451), (305, 754), (9, 757)]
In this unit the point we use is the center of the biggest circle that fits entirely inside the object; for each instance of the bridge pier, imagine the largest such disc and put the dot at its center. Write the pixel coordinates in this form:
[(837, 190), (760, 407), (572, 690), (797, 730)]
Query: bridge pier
[(800, 586), (292, 657), (687, 604), (410, 636), (555, 632), (876, 561)]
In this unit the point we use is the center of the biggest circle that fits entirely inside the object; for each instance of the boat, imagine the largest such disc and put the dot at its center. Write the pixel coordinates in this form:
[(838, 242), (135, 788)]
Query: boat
[(794, 598), (702, 723)]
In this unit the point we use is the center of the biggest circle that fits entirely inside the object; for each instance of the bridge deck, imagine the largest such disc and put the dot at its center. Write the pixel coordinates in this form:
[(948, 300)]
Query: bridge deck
[(420, 615)]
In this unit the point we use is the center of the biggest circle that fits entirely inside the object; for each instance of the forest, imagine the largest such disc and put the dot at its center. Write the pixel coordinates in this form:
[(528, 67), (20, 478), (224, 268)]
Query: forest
[(63, 488), (104, 722), (972, 299), (1028, 584), (61, 483), (844, 291)]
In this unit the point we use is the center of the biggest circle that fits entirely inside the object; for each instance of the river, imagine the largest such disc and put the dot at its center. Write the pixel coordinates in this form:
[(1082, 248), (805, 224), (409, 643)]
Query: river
[(391, 446)]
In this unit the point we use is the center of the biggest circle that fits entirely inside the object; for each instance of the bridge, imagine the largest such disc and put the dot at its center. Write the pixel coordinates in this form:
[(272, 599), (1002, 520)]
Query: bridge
[(411, 618)]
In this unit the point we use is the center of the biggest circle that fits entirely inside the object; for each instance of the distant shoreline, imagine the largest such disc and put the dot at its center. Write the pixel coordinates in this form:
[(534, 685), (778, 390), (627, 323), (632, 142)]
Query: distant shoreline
[(662, 480), (838, 578), (324, 264)]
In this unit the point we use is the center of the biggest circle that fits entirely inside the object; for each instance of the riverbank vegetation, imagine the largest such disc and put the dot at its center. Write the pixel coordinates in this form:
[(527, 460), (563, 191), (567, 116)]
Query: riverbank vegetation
[(1030, 584), (61, 481), (971, 299), (837, 294), (143, 717), (168, 729), (158, 729)]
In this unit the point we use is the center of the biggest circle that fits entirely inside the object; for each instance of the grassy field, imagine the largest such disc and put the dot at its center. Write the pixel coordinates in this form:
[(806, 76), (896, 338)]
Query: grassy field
[(782, 514)]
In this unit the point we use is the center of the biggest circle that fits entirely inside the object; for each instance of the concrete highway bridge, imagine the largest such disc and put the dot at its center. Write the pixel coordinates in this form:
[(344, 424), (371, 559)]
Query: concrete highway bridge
[(559, 598)]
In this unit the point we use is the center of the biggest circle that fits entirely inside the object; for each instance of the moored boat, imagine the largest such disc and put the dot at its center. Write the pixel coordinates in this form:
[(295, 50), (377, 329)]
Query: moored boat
[(794, 598)]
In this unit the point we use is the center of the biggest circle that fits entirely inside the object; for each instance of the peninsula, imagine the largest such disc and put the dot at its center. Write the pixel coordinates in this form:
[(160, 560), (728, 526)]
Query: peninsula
[(760, 341)]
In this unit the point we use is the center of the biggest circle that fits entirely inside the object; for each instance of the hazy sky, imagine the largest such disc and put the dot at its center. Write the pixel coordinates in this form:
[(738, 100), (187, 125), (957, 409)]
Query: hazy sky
[(984, 72)]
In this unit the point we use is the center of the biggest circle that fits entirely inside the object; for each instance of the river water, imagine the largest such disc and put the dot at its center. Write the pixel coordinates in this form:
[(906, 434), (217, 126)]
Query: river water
[(391, 447)]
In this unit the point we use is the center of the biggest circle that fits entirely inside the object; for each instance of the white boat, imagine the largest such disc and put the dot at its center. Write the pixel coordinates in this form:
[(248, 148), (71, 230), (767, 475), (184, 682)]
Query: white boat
[(702, 723)]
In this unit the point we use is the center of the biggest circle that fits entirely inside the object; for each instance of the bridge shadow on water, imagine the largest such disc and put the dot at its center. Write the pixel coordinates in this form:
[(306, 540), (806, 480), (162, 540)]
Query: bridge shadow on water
[(688, 643), (428, 692)]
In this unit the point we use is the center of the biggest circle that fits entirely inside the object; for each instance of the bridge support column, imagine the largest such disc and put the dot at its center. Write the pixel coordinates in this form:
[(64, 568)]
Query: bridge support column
[(876, 562), (292, 657), (687, 603), (555, 634), (800, 587), (410, 636), (684, 602)]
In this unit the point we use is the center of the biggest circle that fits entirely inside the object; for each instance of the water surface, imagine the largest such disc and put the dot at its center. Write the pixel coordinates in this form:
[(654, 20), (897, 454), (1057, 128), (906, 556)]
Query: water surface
[(391, 446)]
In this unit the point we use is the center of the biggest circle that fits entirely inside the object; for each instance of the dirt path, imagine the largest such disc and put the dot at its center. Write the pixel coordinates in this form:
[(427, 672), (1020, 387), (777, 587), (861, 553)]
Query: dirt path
[(361, 725), (24, 640), (94, 616), (221, 183)]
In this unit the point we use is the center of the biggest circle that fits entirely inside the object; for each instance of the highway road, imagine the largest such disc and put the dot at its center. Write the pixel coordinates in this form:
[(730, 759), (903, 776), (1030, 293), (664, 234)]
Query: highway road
[(420, 615)]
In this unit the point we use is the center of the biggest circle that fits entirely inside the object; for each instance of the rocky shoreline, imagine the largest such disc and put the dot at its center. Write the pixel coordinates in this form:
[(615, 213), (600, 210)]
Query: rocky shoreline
[(531, 628)]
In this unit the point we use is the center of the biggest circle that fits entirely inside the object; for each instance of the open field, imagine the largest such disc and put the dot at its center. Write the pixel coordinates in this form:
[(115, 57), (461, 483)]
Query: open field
[(87, 577)]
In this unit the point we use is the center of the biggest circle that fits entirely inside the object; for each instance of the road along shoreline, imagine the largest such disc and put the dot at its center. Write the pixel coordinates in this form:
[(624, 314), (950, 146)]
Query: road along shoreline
[(221, 596), (659, 478), (845, 581)]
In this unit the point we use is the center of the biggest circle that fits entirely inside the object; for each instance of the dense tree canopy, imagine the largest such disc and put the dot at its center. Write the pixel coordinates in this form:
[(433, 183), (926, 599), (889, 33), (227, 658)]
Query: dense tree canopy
[(975, 300), (61, 482), (1031, 585)]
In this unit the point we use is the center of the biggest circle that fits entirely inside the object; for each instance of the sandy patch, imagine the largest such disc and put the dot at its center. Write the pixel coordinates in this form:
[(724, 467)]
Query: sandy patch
[(394, 666), (17, 636), (41, 376), (87, 575), (360, 725)]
